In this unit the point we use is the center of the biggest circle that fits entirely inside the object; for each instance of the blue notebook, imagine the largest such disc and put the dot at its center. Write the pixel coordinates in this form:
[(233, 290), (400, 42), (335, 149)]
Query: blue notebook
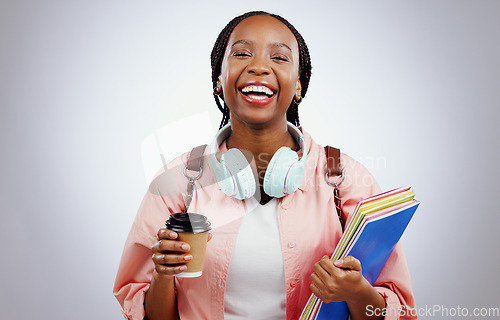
[(371, 245)]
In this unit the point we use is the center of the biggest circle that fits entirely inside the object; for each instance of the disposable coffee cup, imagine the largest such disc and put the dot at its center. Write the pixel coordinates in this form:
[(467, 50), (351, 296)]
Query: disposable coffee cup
[(191, 228)]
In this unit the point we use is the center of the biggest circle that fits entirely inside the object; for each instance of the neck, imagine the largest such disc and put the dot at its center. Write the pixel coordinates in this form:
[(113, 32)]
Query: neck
[(262, 142)]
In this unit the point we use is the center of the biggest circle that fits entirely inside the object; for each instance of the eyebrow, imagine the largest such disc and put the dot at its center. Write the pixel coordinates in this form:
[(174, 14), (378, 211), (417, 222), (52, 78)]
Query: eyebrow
[(281, 45), (275, 44), (241, 42)]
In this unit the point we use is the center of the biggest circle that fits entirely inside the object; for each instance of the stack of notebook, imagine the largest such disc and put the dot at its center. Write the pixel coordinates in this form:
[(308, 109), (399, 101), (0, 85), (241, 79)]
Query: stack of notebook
[(376, 226)]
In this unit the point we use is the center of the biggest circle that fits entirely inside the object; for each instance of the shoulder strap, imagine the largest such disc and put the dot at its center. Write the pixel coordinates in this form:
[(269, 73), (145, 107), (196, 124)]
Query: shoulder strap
[(333, 161), (334, 169), (195, 163)]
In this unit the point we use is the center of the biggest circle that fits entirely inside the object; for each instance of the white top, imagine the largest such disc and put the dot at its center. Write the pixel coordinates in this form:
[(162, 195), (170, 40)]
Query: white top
[(255, 287)]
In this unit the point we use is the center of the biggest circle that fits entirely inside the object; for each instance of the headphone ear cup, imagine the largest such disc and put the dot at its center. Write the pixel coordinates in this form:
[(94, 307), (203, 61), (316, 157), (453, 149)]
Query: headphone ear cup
[(294, 176), (236, 166), (225, 180), (277, 173)]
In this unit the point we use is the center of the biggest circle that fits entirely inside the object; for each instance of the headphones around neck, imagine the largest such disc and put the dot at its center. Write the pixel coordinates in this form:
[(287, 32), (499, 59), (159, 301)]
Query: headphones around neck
[(235, 177)]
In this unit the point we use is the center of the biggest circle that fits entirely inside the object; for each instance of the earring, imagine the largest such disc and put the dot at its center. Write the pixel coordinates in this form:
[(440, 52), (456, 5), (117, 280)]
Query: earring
[(217, 90), (297, 100)]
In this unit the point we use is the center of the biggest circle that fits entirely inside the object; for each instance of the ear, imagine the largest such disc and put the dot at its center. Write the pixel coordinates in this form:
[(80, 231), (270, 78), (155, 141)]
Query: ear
[(219, 83), (218, 89), (298, 90)]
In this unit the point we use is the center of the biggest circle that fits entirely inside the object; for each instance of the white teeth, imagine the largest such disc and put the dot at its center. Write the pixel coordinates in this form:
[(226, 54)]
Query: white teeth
[(262, 89), (258, 97)]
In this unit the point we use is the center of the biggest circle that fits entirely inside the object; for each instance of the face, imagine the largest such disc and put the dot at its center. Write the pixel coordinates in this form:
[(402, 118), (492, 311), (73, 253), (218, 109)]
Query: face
[(260, 71)]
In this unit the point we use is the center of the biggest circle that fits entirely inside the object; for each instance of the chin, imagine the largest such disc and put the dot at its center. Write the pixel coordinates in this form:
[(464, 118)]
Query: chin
[(258, 121)]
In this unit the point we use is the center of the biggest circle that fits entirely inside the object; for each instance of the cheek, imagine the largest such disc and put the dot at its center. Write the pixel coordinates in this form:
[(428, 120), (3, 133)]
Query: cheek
[(227, 77), (223, 73), (290, 82)]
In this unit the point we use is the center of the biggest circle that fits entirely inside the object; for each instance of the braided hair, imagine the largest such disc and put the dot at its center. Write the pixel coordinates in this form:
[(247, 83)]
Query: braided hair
[(292, 114)]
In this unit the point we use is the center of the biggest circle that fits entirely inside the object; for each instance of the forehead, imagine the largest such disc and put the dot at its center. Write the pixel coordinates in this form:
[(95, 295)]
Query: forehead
[(263, 28)]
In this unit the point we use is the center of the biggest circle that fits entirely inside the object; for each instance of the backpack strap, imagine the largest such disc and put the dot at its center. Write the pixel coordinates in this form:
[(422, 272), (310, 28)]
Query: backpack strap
[(195, 163), (334, 169)]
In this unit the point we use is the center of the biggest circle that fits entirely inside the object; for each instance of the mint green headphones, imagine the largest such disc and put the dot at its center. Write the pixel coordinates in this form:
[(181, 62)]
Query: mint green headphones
[(236, 179)]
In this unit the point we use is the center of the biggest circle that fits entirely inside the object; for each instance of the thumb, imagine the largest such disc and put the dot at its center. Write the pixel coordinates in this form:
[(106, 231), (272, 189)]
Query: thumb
[(348, 262)]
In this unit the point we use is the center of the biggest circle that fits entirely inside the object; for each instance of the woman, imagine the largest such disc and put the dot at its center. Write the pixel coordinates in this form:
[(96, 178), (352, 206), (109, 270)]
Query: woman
[(266, 256)]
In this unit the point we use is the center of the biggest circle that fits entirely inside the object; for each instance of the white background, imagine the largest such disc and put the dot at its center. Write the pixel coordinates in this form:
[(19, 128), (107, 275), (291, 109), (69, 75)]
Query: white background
[(410, 88)]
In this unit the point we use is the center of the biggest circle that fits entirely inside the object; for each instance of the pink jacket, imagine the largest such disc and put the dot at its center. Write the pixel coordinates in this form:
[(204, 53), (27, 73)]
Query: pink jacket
[(309, 228)]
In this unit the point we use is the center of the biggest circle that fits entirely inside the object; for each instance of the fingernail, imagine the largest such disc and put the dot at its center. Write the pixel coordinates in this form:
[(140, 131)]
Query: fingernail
[(185, 247), (339, 263), (172, 234), (182, 268), (188, 257)]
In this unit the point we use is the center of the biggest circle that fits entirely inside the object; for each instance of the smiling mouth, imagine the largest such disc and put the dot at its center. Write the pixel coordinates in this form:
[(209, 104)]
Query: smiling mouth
[(257, 92)]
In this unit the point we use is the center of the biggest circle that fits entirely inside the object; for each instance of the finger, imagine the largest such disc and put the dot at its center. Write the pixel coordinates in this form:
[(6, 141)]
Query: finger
[(321, 273), (315, 290), (316, 280), (320, 291), (170, 246), (170, 270), (166, 234), (348, 262), (328, 266), (171, 259)]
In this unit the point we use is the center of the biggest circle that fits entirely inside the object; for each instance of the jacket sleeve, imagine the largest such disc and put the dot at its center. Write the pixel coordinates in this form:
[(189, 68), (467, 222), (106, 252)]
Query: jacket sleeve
[(136, 266), (394, 282)]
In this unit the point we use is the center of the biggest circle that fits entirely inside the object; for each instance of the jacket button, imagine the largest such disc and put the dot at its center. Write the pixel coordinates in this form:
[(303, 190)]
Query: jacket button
[(291, 244)]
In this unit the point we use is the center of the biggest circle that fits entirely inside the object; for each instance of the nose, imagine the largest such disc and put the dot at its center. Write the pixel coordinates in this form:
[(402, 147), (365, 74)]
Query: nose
[(259, 66)]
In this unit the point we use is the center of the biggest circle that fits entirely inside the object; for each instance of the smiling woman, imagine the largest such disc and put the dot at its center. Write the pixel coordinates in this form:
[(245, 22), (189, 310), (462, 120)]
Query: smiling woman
[(221, 51), (259, 79), (273, 224), (260, 71)]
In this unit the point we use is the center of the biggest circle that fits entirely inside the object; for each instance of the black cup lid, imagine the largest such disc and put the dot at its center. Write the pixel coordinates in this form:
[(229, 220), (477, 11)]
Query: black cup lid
[(188, 222)]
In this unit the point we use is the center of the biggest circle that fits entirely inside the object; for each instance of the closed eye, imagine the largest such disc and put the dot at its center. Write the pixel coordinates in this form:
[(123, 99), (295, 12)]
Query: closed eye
[(281, 59), (241, 54)]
